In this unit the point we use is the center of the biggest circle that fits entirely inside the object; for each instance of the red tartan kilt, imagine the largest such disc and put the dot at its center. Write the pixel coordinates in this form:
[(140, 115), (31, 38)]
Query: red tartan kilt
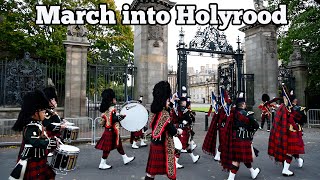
[(222, 137), (39, 170), (107, 142), (136, 136), (157, 160), (184, 138), (295, 143), (241, 151)]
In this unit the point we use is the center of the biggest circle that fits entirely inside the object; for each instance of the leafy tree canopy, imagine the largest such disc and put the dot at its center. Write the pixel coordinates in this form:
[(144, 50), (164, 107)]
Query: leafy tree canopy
[(304, 27), (19, 33)]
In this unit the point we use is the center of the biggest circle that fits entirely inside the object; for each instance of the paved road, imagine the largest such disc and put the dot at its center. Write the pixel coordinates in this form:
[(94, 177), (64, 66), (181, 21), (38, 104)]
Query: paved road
[(205, 169)]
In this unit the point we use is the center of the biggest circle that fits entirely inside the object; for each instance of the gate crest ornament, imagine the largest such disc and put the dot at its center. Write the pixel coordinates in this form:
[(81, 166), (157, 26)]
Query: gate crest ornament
[(23, 76)]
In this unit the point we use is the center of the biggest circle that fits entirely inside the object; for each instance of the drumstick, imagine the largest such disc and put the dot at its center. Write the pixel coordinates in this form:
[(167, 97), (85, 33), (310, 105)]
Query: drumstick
[(58, 140)]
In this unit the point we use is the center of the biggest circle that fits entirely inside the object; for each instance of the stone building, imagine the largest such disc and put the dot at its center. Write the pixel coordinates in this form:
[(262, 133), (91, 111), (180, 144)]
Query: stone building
[(200, 83)]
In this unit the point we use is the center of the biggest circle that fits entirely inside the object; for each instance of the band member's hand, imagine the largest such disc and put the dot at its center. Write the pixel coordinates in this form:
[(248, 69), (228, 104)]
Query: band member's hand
[(179, 131), (184, 122), (63, 126)]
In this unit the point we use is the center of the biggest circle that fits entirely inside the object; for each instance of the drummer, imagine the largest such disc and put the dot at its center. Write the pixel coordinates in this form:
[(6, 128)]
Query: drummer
[(53, 123), (110, 138), (32, 156), (138, 135), (185, 121)]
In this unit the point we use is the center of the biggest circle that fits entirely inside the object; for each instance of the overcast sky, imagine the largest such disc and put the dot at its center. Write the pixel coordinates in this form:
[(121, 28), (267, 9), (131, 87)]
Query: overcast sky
[(232, 32)]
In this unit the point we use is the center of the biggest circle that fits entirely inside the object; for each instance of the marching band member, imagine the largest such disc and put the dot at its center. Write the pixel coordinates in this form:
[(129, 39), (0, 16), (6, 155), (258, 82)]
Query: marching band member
[(285, 139), (241, 127), (138, 135), (209, 143), (265, 107), (161, 158), (193, 145), (185, 122), (32, 158), (53, 123), (110, 138)]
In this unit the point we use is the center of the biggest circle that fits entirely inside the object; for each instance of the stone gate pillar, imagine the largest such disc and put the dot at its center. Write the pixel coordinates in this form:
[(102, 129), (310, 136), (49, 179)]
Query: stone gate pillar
[(261, 60), (76, 72), (299, 72), (150, 50)]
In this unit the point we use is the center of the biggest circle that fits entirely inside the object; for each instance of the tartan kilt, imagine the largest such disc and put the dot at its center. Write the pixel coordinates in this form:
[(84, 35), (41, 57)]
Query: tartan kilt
[(241, 150), (39, 170), (157, 160), (52, 134), (107, 141), (136, 135), (222, 137), (184, 138), (295, 143)]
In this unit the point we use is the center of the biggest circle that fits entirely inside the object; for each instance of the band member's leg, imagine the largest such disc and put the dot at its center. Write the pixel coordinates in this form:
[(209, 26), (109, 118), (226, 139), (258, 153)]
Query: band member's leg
[(149, 177), (268, 122), (103, 163), (193, 157), (263, 119), (286, 165), (299, 159), (177, 156), (254, 172), (233, 171), (125, 158)]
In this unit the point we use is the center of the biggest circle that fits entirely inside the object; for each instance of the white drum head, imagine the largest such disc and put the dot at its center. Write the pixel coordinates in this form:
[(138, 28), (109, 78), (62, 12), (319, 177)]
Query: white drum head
[(136, 117), (72, 127), (177, 143), (69, 148)]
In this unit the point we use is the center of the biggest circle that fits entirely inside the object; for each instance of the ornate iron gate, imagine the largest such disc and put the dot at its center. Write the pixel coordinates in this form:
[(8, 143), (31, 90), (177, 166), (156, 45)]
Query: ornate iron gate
[(100, 77), (227, 78), (211, 41), (18, 77), (285, 76)]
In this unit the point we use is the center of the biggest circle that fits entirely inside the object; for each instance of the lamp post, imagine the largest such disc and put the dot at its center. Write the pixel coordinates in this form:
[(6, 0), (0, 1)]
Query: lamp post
[(238, 56)]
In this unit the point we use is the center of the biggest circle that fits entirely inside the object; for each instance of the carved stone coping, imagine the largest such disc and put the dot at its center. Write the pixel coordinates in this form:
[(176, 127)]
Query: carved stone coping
[(247, 27), (135, 4), (76, 41), (297, 64)]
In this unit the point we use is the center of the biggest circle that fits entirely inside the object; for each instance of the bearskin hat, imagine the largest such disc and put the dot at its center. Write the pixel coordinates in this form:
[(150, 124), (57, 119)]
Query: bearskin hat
[(51, 93), (265, 97), (107, 97), (32, 102), (240, 99), (161, 92)]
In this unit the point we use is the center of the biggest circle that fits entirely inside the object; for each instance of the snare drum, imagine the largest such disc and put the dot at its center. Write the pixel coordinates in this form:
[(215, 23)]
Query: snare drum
[(70, 133), (65, 158)]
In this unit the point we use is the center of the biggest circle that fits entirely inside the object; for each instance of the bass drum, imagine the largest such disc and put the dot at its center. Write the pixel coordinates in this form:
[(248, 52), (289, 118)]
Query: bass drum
[(136, 116)]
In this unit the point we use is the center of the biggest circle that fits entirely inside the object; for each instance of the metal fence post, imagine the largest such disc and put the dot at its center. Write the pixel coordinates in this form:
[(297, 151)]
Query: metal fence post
[(206, 122)]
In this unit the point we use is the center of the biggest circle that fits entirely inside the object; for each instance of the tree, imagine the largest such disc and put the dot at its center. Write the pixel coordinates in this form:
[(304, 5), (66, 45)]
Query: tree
[(19, 33), (304, 27)]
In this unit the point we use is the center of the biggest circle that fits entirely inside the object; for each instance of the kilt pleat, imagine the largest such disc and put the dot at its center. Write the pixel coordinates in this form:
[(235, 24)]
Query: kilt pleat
[(157, 160), (241, 150), (295, 143), (107, 141), (38, 170), (184, 138)]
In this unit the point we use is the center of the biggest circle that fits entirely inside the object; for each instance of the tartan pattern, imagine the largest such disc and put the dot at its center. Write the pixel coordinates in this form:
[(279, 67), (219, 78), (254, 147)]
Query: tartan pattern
[(38, 170), (184, 137), (226, 145), (295, 143), (278, 139), (107, 142), (241, 150), (209, 143), (136, 136), (157, 160)]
